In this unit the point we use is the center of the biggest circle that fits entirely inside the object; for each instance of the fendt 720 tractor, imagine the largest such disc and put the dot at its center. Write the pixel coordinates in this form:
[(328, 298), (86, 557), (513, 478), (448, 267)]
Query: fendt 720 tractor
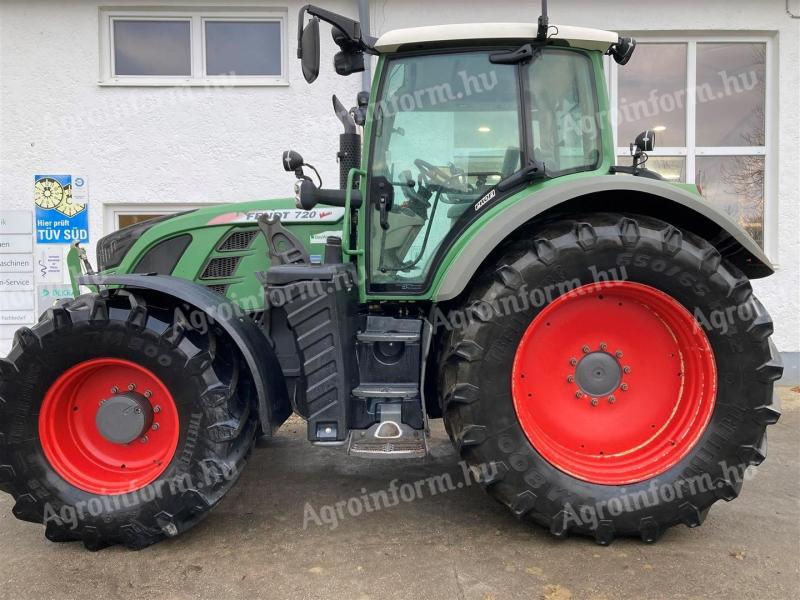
[(483, 261)]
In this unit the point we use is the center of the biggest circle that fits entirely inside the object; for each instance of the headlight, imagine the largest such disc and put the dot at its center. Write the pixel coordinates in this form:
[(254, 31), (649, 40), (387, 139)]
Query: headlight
[(112, 248)]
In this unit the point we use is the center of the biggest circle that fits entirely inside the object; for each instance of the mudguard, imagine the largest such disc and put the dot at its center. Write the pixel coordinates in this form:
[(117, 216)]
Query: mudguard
[(273, 401), (614, 193)]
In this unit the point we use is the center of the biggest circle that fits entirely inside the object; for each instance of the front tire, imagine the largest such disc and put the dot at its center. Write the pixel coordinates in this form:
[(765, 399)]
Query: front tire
[(611, 375), (119, 422)]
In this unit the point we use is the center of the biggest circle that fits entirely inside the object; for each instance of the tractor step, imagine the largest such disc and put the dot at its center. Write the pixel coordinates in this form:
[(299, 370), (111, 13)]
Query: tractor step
[(389, 438)]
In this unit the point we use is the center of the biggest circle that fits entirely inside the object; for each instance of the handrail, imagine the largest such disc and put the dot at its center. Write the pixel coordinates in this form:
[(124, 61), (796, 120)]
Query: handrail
[(347, 199)]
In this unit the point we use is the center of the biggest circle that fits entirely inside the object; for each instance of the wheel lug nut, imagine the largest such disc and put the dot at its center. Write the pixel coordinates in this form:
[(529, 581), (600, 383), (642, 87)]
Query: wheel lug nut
[(155, 426), (156, 409), (148, 394), (618, 354), (586, 349), (626, 369), (603, 346), (579, 394), (594, 401), (144, 439), (611, 399), (131, 387), (624, 387), (570, 379), (573, 361), (114, 390)]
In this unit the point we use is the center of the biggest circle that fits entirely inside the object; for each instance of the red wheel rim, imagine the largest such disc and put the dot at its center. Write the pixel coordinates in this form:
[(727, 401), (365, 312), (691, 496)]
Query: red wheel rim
[(614, 382), (76, 447)]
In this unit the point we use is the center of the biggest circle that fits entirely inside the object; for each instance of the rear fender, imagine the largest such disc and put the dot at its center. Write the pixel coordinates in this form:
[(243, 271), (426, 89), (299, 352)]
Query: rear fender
[(613, 193)]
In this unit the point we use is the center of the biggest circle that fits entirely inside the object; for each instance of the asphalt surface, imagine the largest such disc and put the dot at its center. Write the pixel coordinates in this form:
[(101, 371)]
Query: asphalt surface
[(459, 544)]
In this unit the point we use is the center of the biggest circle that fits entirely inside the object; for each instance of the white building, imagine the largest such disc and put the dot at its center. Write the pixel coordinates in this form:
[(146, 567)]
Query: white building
[(128, 97)]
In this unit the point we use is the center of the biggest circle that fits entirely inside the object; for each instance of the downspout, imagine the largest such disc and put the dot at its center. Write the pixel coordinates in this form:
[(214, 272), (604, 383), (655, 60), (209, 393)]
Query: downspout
[(363, 17)]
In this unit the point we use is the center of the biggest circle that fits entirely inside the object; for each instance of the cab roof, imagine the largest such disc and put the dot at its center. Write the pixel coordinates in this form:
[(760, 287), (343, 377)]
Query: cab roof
[(577, 37)]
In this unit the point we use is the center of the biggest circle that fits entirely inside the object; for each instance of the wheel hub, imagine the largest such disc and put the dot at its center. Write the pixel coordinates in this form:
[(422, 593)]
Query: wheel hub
[(598, 374), (124, 418)]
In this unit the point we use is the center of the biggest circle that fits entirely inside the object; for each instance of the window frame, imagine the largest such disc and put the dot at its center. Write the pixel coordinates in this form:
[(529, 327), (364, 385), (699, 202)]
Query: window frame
[(692, 151), (197, 17)]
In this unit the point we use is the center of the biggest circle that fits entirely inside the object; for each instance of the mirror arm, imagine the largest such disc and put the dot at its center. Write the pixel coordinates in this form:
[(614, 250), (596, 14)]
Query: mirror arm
[(350, 28)]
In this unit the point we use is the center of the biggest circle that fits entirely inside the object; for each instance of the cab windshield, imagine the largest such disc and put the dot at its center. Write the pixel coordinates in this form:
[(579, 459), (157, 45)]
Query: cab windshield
[(448, 127)]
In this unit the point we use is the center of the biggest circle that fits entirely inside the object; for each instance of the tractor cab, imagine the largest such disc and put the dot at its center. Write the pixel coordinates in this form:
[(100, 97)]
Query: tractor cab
[(459, 118)]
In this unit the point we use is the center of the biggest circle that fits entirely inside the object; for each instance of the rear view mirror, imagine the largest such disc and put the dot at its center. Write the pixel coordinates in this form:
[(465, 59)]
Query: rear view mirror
[(309, 50)]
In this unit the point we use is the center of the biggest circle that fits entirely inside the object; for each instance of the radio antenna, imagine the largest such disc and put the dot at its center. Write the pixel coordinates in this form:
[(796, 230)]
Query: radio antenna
[(544, 23)]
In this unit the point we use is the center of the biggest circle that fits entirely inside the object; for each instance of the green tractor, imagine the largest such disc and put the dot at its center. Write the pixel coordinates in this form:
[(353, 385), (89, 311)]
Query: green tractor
[(587, 331)]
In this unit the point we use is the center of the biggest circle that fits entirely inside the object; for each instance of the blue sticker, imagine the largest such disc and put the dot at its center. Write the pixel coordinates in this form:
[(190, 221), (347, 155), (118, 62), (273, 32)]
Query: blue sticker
[(60, 217)]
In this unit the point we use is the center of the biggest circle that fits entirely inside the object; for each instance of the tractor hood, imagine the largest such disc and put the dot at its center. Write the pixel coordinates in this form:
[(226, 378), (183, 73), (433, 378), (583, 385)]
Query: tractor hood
[(218, 246)]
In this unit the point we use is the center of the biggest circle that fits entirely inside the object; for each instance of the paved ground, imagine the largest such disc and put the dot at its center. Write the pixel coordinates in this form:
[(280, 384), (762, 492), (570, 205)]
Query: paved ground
[(458, 545)]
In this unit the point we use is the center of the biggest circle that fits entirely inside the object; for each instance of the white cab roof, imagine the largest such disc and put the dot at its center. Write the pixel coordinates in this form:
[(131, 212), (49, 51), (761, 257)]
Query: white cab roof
[(579, 37)]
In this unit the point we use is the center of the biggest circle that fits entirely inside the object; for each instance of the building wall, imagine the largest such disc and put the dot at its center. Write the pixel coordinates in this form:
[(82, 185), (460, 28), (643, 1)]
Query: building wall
[(174, 145)]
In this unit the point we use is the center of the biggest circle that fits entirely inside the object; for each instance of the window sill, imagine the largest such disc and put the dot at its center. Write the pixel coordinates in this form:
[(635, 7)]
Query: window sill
[(211, 82)]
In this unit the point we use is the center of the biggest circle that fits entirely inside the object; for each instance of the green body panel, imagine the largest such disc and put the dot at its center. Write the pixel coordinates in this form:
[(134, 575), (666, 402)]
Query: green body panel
[(210, 226)]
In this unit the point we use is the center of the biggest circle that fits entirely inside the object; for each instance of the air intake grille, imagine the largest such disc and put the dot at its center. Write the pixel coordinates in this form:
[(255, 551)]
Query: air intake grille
[(221, 289), (238, 240), (220, 268)]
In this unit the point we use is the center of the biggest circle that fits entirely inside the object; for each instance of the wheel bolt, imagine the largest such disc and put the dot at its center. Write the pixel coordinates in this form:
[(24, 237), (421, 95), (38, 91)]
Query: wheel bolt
[(594, 401), (148, 394), (618, 354), (624, 387), (137, 410), (155, 426), (131, 387), (579, 394), (611, 399), (603, 346), (586, 349), (573, 361), (626, 370), (144, 439), (570, 379), (156, 409), (114, 390)]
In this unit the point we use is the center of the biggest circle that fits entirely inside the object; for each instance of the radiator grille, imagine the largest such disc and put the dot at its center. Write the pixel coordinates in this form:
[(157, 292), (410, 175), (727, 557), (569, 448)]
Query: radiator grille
[(221, 267), (238, 240)]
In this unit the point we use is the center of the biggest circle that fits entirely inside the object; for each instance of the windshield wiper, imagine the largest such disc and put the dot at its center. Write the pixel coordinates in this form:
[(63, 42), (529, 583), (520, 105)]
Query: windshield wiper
[(532, 172)]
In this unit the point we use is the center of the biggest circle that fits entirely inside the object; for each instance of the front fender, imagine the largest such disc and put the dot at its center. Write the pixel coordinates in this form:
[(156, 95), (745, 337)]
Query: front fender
[(273, 401), (613, 193)]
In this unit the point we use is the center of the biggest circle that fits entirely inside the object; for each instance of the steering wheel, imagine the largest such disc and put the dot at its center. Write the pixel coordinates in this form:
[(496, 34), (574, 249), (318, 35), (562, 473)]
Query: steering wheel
[(432, 173)]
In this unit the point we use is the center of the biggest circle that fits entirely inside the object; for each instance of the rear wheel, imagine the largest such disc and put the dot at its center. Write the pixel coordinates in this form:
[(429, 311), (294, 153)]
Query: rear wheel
[(613, 376), (119, 423)]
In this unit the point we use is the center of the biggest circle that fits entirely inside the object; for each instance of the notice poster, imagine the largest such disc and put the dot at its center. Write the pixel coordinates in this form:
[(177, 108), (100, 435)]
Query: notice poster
[(62, 209)]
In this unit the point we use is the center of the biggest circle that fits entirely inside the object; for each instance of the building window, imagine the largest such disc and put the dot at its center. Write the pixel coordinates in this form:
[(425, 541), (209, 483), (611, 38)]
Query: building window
[(708, 100), (119, 216), (193, 47)]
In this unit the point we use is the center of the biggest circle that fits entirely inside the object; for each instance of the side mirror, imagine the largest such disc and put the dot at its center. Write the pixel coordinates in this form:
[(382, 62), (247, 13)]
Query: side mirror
[(623, 50), (309, 50)]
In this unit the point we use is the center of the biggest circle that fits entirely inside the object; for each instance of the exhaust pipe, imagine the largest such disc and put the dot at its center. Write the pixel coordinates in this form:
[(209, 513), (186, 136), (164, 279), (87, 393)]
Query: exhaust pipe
[(349, 155)]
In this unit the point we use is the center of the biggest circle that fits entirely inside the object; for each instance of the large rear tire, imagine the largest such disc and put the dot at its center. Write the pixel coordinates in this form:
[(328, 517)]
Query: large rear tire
[(119, 422), (609, 375)]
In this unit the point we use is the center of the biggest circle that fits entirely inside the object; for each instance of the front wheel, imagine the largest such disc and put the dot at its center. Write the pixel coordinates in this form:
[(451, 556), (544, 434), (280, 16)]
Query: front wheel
[(611, 375), (120, 423)]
